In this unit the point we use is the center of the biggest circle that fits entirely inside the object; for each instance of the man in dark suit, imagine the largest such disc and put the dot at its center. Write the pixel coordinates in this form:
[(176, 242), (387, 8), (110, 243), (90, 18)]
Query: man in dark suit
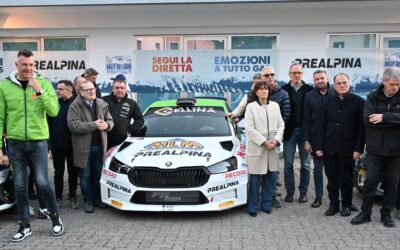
[(314, 105), (343, 137)]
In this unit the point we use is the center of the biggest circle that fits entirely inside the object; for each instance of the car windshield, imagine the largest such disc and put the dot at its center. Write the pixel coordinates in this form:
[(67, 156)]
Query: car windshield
[(186, 121)]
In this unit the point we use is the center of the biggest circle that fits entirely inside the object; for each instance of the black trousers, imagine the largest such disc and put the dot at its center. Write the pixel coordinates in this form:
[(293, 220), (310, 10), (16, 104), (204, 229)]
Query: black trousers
[(381, 168), (339, 171), (398, 196), (59, 157)]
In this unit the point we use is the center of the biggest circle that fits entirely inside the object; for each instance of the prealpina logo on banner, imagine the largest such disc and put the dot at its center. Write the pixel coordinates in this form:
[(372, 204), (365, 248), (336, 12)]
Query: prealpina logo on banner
[(119, 64)]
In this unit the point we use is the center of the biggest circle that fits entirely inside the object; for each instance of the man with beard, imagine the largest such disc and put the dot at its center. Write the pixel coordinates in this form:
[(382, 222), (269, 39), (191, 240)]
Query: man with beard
[(314, 104), (123, 110)]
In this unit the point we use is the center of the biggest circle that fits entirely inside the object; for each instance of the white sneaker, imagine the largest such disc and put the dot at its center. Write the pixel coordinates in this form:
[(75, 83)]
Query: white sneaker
[(43, 214), (23, 232), (31, 211), (58, 227)]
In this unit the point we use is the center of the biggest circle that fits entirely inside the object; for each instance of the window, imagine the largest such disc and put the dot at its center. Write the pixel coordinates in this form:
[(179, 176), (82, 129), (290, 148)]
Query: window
[(173, 46), (353, 41), (16, 46), (394, 44), (139, 45), (64, 44), (338, 45), (253, 42), (157, 43), (207, 42)]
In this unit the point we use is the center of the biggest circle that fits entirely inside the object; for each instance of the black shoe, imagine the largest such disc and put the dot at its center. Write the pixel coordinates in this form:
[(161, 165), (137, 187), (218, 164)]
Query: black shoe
[(58, 227), (331, 211), (361, 218), (275, 203), (100, 204), (303, 197), (268, 211), (353, 208), (289, 197), (89, 208), (278, 184), (387, 220), (345, 212), (253, 214), (23, 232), (316, 203)]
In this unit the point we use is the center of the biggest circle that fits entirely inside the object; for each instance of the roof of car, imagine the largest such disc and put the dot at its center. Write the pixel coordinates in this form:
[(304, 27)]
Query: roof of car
[(207, 102)]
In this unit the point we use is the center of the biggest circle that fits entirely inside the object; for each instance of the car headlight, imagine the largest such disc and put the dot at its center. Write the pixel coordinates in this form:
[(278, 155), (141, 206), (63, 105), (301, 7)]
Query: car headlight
[(119, 167), (224, 166)]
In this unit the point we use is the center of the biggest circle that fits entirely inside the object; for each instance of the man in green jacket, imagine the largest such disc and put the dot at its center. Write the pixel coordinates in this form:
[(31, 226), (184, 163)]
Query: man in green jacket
[(25, 100)]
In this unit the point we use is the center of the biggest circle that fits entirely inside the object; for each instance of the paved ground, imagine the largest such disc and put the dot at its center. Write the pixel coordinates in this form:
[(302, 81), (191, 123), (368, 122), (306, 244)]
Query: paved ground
[(294, 226)]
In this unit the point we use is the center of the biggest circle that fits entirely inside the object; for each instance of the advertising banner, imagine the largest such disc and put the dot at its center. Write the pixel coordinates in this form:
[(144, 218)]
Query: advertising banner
[(209, 72)]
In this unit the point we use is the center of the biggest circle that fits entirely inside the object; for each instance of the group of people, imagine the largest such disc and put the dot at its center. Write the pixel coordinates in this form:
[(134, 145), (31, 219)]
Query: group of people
[(331, 124), (327, 121), (74, 122)]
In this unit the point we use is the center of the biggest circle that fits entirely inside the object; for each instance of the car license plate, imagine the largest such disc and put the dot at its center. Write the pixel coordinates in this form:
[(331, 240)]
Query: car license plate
[(171, 197)]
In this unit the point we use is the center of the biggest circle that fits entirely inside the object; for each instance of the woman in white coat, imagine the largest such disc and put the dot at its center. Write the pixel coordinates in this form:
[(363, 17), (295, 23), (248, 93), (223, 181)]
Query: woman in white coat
[(264, 129)]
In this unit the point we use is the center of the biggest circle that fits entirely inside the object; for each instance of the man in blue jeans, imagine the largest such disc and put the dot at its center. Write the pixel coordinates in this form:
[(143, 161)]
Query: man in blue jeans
[(296, 89), (25, 100), (89, 120)]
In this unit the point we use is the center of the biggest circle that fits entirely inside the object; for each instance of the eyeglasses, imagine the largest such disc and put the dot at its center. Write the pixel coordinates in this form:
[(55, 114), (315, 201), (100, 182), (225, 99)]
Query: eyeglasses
[(60, 89), (269, 75), (91, 89), (296, 73)]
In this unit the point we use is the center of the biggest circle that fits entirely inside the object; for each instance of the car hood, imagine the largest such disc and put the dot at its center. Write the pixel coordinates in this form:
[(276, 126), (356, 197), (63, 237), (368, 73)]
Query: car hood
[(170, 153)]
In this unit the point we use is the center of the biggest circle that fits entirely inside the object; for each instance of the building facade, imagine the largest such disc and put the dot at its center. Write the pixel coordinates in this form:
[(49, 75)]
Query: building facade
[(169, 48)]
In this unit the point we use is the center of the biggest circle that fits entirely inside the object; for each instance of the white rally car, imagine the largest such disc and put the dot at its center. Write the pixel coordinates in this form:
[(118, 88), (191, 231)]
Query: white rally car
[(189, 159)]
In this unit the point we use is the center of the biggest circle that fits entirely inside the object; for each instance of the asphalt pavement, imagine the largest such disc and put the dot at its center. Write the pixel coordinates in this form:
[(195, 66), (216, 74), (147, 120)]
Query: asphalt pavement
[(294, 226)]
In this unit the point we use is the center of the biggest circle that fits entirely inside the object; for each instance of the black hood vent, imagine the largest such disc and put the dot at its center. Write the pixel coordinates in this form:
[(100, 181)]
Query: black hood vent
[(124, 145), (227, 145)]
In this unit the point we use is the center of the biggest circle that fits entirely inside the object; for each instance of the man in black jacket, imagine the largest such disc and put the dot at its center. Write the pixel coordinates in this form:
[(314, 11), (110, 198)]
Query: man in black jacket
[(342, 136), (293, 135), (123, 110), (314, 105), (61, 145), (382, 120)]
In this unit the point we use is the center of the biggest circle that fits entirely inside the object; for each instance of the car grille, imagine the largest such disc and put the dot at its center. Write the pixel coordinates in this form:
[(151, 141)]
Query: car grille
[(185, 177)]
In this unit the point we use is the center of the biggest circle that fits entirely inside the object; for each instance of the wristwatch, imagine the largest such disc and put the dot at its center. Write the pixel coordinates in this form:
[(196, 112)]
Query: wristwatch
[(41, 91)]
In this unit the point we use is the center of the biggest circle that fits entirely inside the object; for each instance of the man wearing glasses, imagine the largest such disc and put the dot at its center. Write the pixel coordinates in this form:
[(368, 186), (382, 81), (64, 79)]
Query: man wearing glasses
[(61, 145), (297, 89), (89, 120), (280, 96)]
